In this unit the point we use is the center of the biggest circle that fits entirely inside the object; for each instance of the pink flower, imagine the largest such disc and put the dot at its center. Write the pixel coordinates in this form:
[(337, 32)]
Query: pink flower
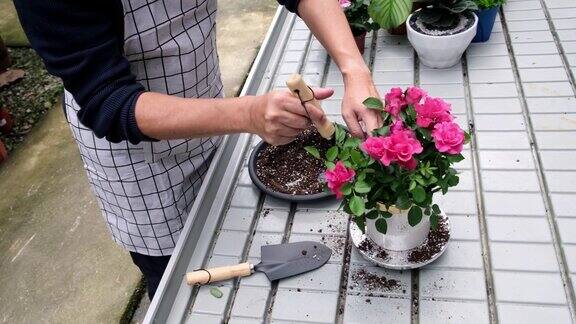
[(414, 95), (374, 147), (400, 147), (448, 137), (432, 111), (338, 177), (397, 126), (345, 3), (395, 101), (409, 165)]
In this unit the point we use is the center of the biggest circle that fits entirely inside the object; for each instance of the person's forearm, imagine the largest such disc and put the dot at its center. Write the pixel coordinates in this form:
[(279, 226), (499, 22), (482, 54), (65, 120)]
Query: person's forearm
[(162, 116), (328, 23)]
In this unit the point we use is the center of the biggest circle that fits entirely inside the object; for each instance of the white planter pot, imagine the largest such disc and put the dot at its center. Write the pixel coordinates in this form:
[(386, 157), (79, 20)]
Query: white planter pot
[(400, 236), (441, 51)]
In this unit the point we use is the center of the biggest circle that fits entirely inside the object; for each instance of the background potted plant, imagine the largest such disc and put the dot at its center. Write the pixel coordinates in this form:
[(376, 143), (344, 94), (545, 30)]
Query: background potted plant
[(356, 12), (387, 182), (442, 31), (487, 11), (390, 14)]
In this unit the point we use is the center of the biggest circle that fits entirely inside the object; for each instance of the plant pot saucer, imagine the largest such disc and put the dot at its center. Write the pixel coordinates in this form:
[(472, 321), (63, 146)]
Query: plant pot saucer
[(396, 260), (276, 194)]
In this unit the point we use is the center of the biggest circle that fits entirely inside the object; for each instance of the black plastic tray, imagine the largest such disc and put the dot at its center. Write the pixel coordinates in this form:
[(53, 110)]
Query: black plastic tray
[(288, 197)]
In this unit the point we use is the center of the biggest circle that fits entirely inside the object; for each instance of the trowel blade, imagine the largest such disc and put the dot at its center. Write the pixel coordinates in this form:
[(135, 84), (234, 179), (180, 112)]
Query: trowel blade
[(286, 260)]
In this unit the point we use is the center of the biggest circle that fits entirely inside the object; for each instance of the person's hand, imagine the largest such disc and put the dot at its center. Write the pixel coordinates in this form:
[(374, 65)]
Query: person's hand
[(278, 117), (360, 120)]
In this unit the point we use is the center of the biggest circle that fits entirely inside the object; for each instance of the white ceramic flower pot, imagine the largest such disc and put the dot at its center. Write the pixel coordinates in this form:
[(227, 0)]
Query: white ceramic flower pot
[(400, 236), (441, 51)]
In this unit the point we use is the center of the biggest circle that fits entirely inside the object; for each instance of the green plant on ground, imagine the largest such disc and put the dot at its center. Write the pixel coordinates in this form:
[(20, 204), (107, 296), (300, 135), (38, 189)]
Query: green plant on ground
[(445, 13), (487, 4), (356, 12), (390, 13)]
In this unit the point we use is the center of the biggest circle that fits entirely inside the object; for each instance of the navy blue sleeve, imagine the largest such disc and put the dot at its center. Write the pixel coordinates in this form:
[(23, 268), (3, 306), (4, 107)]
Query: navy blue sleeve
[(82, 43), (291, 5)]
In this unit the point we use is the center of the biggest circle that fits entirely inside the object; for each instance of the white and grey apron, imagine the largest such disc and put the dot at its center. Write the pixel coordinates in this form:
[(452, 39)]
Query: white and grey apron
[(145, 191)]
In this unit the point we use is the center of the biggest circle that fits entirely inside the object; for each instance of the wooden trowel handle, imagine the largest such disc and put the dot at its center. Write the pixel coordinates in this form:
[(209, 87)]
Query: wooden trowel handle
[(204, 276), (299, 89)]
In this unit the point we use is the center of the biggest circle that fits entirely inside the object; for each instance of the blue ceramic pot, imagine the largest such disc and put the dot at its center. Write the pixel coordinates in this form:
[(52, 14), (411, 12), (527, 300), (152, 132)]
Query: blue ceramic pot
[(486, 20)]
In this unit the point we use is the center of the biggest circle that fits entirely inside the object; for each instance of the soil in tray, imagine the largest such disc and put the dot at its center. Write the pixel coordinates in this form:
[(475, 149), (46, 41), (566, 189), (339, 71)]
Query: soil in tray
[(434, 243), (289, 168)]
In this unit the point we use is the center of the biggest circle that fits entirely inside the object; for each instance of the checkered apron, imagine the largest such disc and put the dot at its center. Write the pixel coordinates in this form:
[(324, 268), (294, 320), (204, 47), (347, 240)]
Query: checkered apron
[(145, 191)]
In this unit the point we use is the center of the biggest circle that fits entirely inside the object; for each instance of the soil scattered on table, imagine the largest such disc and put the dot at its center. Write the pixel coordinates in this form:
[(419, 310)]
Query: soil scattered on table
[(304, 252), (436, 240), (289, 168), (367, 246), (373, 281)]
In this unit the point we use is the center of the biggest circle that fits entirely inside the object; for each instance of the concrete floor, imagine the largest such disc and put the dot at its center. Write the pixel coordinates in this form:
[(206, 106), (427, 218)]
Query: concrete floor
[(57, 262)]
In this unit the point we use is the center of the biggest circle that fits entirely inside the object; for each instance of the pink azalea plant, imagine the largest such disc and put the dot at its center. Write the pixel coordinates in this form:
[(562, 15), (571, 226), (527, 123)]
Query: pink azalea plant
[(402, 164)]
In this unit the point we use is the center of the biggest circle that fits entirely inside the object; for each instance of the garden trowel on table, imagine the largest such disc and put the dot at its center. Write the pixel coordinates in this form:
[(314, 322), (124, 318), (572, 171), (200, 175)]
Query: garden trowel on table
[(277, 262), (301, 90)]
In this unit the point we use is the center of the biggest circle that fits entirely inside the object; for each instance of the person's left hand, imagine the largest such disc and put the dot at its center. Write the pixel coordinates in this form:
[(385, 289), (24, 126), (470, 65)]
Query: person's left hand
[(360, 120)]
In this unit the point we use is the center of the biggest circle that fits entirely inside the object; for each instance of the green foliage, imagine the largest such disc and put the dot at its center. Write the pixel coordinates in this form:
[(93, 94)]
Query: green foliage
[(487, 4), (381, 225), (373, 103), (217, 293), (390, 13), (445, 13), (414, 215), (312, 151), (358, 17)]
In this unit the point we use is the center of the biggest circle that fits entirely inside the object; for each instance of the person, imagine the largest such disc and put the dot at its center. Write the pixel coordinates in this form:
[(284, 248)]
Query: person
[(143, 97)]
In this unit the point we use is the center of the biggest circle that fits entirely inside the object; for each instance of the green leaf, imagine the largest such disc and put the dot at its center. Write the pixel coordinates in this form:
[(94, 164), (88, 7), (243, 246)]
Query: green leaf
[(453, 180), (362, 187), (436, 209), (389, 13), (419, 194), (466, 138), (332, 153), (356, 157), (216, 292), (361, 176), (455, 158), (427, 211), (414, 216), (373, 103), (347, 189), (381, 225), (352, 142), (361, 222), (357, 206), (382, 131), (373, 214), (329, 165), (412, 185), (344, 154), (385, 116), (434, 218), (312, 151), (424, 132), (340, 134), (385, 214), (403, 202)]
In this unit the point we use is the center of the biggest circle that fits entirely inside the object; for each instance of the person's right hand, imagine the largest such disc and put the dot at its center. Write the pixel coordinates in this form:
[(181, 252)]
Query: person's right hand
[(278, 117)]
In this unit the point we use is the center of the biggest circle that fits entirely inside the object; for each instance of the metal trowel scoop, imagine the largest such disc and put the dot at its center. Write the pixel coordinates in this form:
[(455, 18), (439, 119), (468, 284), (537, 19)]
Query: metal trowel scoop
[(277, 262)]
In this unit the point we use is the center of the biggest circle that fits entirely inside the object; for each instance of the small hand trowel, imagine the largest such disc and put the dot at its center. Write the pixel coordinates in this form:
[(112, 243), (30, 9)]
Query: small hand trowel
[(301, 90), (277, 262)]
